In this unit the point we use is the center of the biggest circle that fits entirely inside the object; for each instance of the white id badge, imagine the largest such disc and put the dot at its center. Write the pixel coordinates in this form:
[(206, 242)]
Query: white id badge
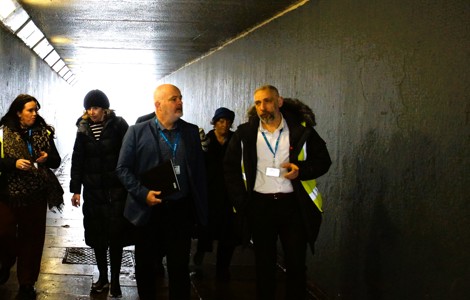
[(35, 165), (273, 172), (177, 170)]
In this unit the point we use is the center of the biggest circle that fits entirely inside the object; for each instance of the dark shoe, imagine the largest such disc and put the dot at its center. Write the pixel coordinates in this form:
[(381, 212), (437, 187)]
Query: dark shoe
[(4, 274), (115, 291), (27, 292), (100, 286)]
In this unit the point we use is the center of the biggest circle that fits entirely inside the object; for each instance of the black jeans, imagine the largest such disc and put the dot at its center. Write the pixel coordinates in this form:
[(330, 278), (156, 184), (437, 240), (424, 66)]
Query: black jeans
[(22, 233), (273, 216), (168, 231)]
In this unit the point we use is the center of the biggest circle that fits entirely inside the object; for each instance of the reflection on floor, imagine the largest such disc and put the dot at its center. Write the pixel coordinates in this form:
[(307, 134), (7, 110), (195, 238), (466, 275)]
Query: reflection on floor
[(59, 281)]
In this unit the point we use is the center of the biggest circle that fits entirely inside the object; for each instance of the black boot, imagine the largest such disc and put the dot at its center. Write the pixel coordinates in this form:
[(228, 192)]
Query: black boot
[(26, 292), (116, 259), (102, 262)]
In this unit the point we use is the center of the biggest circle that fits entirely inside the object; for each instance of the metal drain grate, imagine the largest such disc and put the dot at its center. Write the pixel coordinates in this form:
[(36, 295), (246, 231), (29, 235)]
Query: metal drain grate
[(86, 256)]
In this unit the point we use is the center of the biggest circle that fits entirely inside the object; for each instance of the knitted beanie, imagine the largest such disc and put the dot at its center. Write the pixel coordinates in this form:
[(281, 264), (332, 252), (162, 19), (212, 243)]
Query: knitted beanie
[(96, 98)]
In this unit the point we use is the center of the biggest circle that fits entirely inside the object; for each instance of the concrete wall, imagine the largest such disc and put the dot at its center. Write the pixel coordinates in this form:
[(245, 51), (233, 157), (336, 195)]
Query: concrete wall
[(389, 83), (23, 72)]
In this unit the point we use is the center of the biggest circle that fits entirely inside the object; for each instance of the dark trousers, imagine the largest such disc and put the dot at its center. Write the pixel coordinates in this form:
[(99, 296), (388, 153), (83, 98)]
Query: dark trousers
[(22, 233), (168, 231), (273, 216), (226, 244), (225, 249)]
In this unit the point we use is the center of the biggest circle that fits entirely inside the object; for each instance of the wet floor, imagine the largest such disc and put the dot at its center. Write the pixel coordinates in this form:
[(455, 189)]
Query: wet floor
[(65, 281)]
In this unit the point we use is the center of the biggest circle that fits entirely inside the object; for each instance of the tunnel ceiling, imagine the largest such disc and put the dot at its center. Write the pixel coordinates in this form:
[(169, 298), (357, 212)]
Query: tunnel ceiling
[(131, 37)]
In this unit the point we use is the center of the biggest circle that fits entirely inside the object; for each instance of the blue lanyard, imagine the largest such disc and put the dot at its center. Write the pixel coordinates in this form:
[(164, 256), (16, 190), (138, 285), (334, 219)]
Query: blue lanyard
[(174, 146), (28, 142), (269, 145)]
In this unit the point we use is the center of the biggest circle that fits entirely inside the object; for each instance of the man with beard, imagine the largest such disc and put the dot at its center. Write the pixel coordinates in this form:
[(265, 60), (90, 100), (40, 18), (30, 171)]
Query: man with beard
[(165, 223), (274, 186)]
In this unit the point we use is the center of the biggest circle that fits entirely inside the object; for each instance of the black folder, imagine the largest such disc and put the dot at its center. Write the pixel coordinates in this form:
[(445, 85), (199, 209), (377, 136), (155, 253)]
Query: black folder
[(161, 178)]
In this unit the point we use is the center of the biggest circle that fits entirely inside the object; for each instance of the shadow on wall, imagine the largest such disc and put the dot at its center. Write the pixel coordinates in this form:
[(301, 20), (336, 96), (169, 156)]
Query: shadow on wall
[(399, 241)]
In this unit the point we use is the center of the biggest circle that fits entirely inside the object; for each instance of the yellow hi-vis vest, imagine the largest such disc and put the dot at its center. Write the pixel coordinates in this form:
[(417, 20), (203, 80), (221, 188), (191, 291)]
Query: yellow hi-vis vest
[(1, 141), (310, 186)]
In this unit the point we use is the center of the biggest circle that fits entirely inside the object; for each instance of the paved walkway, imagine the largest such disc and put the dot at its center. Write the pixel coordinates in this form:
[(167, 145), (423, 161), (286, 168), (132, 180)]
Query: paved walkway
[(59, 281)]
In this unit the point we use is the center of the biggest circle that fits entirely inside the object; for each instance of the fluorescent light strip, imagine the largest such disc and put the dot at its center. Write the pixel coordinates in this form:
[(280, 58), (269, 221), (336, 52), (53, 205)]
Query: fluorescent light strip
[(6, 8), (67, 76), (52, 58), (64, 71), (30, 34), (43, 48), (17, 20), (58, 65)]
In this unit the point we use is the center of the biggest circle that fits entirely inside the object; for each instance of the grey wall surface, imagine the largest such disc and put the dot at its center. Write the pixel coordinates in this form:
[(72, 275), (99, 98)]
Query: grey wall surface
[(389, 83), (23, 72)]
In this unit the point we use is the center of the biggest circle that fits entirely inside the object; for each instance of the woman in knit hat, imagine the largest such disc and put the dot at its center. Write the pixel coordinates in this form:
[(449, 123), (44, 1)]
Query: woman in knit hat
[(220, 209), (95, 155)]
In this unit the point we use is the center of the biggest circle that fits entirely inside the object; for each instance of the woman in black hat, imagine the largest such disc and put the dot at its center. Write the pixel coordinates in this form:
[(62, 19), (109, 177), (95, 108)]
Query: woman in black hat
[(95, 155), (220, 209)]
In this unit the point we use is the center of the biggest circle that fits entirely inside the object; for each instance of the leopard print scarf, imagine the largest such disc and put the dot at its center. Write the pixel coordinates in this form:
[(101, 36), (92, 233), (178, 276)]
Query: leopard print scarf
[(26, 187)]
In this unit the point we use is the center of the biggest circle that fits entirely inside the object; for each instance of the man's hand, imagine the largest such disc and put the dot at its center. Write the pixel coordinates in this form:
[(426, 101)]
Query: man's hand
[(293, 170), (152, 198)]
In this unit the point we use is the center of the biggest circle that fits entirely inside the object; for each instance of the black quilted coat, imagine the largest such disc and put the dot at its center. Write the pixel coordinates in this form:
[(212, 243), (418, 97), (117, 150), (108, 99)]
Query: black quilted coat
[(93, 167)]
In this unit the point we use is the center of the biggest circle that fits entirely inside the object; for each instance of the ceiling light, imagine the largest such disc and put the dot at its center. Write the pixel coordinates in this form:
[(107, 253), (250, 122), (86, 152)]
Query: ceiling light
[(67, 76), (43, 48), (6, 8), (52, 58), (30, 34), (58, 65), (17, 20), (64, 71)]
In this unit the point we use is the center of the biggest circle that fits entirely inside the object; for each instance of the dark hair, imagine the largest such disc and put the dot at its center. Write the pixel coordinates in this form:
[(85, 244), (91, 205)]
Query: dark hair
[(11, 119)]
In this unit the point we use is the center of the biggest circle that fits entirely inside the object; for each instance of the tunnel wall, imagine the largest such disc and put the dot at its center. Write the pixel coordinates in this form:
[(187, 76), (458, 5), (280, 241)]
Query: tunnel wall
[(389, 84), (23, 72)]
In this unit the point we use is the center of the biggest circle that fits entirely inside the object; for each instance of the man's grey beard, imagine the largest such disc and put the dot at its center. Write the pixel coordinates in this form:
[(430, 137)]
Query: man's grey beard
[(267, 118)]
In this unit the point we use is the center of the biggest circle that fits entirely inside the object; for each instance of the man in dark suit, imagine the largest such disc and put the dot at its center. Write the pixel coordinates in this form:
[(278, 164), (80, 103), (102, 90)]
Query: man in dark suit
[(145, 117), (160, 268), (164, 223)]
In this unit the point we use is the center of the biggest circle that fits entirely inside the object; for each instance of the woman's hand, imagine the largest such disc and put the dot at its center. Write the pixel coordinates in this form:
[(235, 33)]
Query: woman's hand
[(76, 200), (42, 157), (23, 164)]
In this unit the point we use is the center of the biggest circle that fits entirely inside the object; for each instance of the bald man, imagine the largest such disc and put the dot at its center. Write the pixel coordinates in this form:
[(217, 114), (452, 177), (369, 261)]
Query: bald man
[(164, 223)]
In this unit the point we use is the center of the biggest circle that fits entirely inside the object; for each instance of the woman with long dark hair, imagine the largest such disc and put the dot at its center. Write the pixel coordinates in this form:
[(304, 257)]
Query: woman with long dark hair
[(27, 154)]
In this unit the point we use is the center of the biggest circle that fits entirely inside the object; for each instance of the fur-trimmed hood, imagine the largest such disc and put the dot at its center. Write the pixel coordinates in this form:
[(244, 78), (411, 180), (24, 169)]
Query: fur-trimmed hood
[(294, 108)]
